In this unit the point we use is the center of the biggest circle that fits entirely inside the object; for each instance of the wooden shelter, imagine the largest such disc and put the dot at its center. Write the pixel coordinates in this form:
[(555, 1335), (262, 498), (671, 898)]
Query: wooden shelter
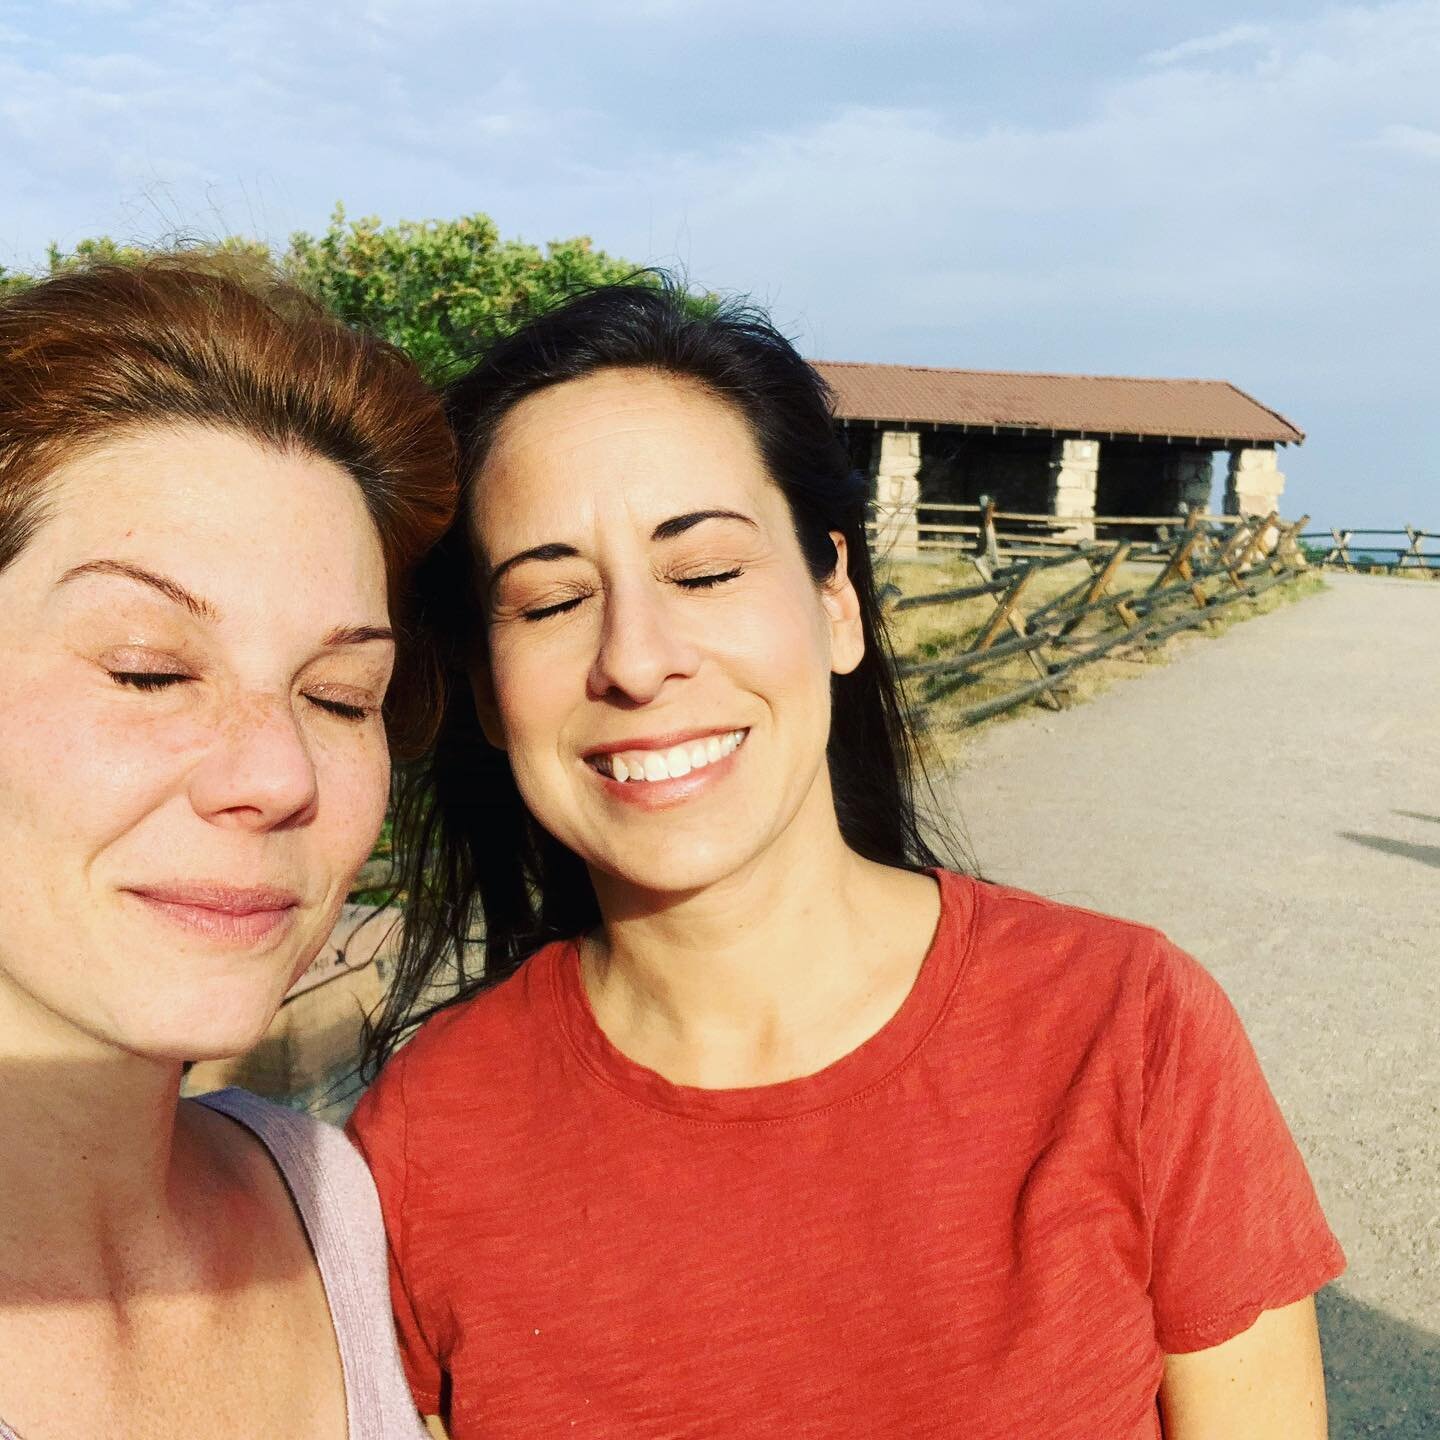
[(1075, 446)]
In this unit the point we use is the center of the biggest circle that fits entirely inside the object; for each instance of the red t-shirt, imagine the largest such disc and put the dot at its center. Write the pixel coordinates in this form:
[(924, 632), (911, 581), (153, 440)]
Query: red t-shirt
[(1058, 1161)]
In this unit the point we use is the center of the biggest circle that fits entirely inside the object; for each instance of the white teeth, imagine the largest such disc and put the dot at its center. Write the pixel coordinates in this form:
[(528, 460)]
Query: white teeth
[(679, 760)]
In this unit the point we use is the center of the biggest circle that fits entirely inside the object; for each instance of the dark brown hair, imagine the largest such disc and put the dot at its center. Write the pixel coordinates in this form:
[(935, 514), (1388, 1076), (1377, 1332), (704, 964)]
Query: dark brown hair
[(92, 353), (469, 850)]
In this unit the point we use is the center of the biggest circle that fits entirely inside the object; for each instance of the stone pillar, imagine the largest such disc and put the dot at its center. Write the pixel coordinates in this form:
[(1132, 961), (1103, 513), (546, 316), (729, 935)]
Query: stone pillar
[(1074, 471), (1254, 486), (1188, 476), (897, 493)]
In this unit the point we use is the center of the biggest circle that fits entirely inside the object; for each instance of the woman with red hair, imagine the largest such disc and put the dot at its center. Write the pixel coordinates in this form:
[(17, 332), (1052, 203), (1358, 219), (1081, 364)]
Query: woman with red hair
[(211, 495)]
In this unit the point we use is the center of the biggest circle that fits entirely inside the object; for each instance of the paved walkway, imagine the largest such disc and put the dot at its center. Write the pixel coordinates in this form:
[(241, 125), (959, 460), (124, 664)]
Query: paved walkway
[(1271, 799)]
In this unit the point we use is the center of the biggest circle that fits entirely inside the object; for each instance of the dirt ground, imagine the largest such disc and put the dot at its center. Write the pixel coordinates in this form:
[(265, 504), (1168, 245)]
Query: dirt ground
[(1272, 801)]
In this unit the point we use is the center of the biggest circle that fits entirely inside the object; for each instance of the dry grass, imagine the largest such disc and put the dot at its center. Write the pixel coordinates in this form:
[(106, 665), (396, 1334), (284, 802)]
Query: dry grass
[(1405, 572)]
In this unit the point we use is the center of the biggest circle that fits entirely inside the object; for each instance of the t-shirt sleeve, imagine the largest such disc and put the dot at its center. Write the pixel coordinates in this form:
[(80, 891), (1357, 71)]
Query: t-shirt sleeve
[(1235, 1225), (378, 1129)]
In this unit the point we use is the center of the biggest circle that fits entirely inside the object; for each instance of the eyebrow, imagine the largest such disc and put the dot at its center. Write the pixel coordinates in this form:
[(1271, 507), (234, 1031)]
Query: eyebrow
[(665, 530), (679, 524), (553, 551), (172, 590), (357, 635)]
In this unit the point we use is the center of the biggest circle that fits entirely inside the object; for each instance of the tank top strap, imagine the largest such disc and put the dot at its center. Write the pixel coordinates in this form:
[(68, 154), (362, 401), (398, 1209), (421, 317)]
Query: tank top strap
[(340, 1210)]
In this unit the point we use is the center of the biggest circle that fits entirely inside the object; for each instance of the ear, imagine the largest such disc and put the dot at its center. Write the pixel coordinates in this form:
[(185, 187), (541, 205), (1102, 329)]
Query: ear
[(482, 687), (842, 609)]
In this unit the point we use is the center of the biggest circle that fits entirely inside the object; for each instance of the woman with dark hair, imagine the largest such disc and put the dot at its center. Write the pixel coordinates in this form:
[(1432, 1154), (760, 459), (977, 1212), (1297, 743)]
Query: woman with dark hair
[(211, 497), (775, 1126)]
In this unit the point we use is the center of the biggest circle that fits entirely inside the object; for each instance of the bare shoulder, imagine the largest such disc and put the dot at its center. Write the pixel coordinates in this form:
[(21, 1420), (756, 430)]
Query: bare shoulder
[(258, 1141), (227, 1153), (235, 1335)]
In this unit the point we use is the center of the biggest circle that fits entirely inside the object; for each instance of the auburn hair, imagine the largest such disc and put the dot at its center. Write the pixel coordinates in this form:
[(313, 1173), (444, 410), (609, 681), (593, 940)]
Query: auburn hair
[(92, 353)]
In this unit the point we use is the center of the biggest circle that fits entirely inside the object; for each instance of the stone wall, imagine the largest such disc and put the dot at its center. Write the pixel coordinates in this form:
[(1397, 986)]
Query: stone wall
[(1254, 486), (896, 467), (1255, 482), (1074, 474), (1189, 475)]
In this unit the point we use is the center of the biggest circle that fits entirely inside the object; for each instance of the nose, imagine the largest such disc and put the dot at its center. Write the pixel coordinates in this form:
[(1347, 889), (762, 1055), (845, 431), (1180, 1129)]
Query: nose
[(259, 775), (642, 643)]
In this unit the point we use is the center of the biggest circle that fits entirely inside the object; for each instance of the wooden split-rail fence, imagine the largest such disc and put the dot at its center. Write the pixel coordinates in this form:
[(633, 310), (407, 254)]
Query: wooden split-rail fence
[(1203, 564), (1411, 557)]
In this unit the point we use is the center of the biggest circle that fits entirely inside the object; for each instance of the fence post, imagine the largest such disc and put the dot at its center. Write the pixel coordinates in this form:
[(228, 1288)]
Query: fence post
[(1004, 610), (1256, 541), (1287, 547), (1421, 559), (986, 539), (1179, 563), (1230, 551), (1106, 573), (1005, 614)]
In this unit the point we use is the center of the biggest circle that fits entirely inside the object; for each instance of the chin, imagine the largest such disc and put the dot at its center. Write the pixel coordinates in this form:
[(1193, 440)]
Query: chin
[(214, 1022), (680, 869)]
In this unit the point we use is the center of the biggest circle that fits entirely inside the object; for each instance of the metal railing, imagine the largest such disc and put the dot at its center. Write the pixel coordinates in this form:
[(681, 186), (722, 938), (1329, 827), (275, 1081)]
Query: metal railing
[(1410, 557)]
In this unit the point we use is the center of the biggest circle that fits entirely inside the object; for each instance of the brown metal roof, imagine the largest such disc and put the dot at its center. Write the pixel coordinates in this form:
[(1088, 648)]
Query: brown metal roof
[(1207, 410)]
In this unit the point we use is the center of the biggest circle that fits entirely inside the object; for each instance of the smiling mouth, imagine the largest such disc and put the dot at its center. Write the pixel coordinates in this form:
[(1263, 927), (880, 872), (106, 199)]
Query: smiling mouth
[(643, 766)]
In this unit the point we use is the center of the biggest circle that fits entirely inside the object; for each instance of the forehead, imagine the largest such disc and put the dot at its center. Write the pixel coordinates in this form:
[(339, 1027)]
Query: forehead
[(215, 510), (648, 441)]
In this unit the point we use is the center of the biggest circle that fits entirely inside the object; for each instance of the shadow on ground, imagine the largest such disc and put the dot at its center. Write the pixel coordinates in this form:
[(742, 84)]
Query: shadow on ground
[(1382, 1376), (1406, 849)]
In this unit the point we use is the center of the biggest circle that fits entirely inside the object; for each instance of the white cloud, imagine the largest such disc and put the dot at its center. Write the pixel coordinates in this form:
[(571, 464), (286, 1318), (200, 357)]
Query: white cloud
[(1234, 221), (1411, 140), (1214, 44), (1241, 193), (1245, 201)]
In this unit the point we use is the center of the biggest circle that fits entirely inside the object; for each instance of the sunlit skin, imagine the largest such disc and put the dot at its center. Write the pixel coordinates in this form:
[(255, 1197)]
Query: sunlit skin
[(634, 640), (193, 765), (142, 743), (669, 597), (1267, 1382), (642, 580)]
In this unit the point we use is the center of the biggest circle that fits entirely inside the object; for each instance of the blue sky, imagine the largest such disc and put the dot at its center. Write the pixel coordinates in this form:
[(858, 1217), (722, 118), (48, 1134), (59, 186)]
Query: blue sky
[(1212, 189)]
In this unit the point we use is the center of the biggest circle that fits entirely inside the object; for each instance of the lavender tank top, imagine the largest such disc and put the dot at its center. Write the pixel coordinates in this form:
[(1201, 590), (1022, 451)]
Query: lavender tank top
[(337, 1203)]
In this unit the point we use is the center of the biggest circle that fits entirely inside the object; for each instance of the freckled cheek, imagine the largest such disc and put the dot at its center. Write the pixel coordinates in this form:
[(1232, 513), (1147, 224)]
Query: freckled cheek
[(353, 788), (90, 769)]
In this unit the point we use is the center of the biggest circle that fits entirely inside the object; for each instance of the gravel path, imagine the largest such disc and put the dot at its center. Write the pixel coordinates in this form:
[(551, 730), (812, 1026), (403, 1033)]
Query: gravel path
[(1271, 799)]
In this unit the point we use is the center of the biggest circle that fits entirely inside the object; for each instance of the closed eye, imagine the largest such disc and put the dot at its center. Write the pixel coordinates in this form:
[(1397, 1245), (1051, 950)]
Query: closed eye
[(148, 679), (705, 582), (559, 608), (341, 708)]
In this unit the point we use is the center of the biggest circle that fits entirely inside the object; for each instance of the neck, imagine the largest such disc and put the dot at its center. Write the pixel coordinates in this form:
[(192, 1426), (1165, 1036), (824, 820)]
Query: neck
[(771, 973), (89, 1136)]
